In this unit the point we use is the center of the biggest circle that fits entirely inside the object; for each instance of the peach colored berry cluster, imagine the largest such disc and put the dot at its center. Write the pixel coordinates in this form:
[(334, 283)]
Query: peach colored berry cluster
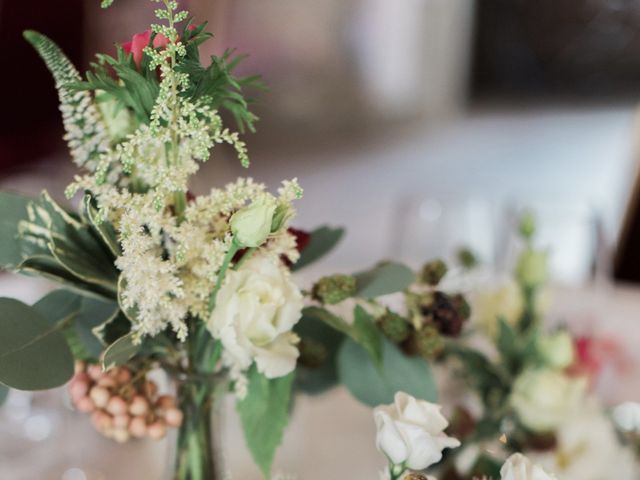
[(121, 408)]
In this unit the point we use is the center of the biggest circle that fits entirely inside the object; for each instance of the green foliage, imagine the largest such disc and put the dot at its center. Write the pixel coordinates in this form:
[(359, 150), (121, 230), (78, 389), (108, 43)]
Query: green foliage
[(363, 331), (33, 353), (383, 279), (217, 85), (120, 352), (61, 247), (13, 210), (104, 229), (490, 380), (264, 414), (318, 379), (323, 240), (137, 87), (83, 317), (374, 386), (134, 88)]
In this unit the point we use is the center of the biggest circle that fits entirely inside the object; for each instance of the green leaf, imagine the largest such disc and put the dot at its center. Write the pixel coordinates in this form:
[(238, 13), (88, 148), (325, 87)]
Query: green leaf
[(363, 331), (83, 315), (264, 414), (366, 334), (4, 393), (319, 379), (104, 228), (33, 354), (323, 240), (120, 351), (13, 209), (383, 279), (375, 386)]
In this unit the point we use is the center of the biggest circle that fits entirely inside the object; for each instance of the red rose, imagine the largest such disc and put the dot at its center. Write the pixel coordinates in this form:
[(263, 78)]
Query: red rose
[(140, 41)]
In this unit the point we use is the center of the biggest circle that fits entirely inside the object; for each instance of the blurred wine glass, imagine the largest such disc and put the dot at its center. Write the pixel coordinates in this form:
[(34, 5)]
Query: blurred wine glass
[(430, 227)]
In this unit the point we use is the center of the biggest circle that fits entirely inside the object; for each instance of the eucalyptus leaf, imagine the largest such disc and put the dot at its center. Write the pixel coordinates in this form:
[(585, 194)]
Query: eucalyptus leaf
[(4, 393), (33, 353), (383, 279), (363, 330), (120, 352), (323, 240), (264, 414), (321, 378), (13, 209), (375, 386)]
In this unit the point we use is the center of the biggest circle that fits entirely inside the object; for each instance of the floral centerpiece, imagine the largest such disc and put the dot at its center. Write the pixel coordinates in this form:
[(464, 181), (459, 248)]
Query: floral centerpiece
[(199, 287)]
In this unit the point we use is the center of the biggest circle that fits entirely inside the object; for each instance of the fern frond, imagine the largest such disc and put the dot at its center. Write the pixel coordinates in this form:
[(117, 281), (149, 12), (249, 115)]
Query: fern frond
[(86, 134)]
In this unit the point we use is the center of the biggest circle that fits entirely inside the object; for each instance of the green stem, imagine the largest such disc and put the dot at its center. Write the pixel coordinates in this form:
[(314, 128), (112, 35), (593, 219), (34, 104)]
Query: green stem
[(233, 249)]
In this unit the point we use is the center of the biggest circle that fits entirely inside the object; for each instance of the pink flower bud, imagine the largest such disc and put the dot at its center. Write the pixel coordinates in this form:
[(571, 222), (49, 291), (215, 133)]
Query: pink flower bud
[(165, 402), (102, 421), (120, 435), (139, 406), (100, 396), (95, 371), (173, 417), (123, 376), (157, 430), (107, 381), (79, 386), (121, 421), (150, 388), (138, 427), (117, 406), (84, 405), (78, 366)]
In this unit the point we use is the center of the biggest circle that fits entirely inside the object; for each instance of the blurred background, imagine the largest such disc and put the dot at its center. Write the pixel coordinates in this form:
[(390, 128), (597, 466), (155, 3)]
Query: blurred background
[(421, 125)]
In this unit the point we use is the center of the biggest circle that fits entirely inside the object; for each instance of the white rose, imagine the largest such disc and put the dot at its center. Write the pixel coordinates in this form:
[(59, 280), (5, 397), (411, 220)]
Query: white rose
[(411, 432), (627, 416), (256, 309), (556, 349), (543, 398), (519, 467)]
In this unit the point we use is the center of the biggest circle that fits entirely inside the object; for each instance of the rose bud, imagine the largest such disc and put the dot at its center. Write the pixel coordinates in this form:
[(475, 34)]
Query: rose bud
[(165, 402), (117, 406), (102, 421), (139, 406), (120, 435), (138, 427), (84, 405), (95, 371), (157, 430), (173, 417), (100, 396)]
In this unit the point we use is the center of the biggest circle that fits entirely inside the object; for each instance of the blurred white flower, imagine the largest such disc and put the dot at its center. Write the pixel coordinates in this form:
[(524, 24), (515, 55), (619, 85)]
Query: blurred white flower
[(588, 448), (384, 475), (256, 309), (505, 301), (519, 467), (542, 398), (556, 349), (532, 268), (627, 416), (411, 432)]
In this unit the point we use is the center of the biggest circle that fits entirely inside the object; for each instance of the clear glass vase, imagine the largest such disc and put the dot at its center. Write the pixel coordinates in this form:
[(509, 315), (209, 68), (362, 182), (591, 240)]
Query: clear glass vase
[(197, 454)]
